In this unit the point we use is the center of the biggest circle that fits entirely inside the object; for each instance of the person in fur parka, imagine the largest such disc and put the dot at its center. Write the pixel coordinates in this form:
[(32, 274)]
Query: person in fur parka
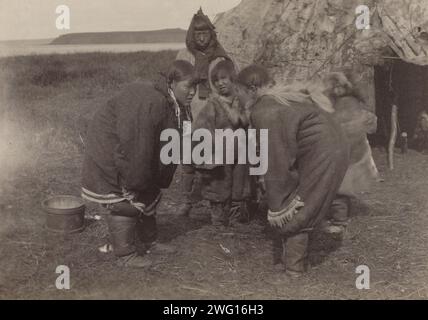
[(224, 185), (122, 169), (203, 51), (307, 158)]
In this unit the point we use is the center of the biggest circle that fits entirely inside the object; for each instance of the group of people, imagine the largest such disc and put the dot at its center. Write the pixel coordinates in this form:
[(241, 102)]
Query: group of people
[(318, 154)]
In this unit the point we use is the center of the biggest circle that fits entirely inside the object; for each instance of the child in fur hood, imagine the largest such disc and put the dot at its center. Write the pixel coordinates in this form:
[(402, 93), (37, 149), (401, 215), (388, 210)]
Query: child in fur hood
[(225, 185), (203, 51)]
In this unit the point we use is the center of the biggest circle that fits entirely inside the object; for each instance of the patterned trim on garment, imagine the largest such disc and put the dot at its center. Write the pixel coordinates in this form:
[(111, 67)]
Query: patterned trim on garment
[(176, 106), (101, 198), (281, 218), (107, 199)]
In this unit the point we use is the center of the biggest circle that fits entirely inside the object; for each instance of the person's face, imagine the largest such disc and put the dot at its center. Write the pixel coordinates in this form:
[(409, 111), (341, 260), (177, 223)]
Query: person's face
[(339, 91), (224, 85), (246, 97), (202, 38), (244, 94), (184, 91)]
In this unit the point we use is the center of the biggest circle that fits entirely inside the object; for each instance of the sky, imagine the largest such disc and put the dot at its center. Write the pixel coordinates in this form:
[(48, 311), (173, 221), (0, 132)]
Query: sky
[(36, 19)]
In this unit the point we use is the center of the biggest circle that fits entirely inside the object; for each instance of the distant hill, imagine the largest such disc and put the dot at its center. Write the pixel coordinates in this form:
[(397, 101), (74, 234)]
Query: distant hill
[(31, 42), (155, 36)]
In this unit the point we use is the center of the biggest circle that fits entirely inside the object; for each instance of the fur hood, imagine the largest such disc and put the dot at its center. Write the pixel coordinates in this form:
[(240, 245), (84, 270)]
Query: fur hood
[(214, 49)]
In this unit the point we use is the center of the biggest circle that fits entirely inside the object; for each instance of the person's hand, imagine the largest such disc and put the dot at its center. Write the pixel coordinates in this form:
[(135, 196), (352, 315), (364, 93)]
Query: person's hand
[(139, 206), (261, 184), (129, 195), (296, 205), (291, 213), (283, 217)]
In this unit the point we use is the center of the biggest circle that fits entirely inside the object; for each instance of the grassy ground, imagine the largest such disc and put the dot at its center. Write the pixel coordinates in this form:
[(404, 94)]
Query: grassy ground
[(43, 99)]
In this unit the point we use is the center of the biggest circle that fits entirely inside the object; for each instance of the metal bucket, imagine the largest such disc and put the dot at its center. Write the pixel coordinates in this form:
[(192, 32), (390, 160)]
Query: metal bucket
[(64, 214)]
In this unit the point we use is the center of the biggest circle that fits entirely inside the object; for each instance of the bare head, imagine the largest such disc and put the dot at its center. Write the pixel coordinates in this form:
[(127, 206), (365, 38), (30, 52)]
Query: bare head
[(249, 82), (223, 77), (181, 81)]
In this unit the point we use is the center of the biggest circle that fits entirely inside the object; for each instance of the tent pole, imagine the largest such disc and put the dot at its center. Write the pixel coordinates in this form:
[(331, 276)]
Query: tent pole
[(392, 137)]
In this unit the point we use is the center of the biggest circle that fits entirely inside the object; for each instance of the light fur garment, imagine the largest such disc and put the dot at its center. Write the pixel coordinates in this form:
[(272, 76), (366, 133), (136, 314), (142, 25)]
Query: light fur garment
[(362, 171), (231, 107), (298, 93)]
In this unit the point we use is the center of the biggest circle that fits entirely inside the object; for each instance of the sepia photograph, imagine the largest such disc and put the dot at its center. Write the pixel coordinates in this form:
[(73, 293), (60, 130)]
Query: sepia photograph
[(197, 150)]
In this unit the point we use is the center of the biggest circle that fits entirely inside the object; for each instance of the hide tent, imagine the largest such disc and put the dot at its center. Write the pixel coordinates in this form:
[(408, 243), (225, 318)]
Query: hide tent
[(305, 39)]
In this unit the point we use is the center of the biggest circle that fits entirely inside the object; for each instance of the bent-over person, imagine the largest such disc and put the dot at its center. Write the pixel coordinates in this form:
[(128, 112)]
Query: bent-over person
[(307, 160), (122, 169)]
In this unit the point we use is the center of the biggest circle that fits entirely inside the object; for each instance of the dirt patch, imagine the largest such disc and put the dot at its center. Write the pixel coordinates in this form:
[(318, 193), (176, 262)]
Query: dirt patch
[(387, 233)]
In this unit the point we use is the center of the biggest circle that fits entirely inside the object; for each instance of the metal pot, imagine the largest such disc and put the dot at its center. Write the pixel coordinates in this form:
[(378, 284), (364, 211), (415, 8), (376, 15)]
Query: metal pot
[(64, 214)]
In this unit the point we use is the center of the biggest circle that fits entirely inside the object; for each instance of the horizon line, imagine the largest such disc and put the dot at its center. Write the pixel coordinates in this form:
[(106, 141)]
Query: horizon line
[(55, 37)]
